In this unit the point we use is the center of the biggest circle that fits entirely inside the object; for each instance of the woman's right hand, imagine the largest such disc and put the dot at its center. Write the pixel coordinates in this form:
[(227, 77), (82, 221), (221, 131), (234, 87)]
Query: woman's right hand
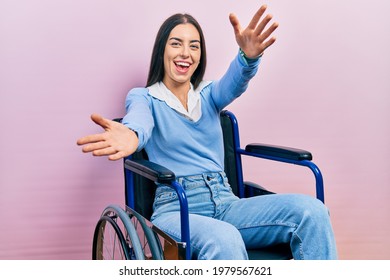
[(116, 142)]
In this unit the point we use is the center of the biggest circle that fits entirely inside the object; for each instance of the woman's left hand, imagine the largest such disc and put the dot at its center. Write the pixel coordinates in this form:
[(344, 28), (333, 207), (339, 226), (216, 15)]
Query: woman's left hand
[(254, 39)]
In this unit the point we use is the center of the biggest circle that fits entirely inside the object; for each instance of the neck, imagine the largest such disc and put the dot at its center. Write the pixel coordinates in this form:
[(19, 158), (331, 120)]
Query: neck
[(180, 91)]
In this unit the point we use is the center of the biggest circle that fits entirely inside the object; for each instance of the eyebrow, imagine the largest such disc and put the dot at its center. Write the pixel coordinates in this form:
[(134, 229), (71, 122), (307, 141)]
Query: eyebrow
[(180, 40)]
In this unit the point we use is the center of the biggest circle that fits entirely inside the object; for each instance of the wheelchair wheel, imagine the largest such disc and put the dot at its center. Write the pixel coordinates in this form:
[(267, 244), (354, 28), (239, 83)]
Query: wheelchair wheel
[(150, 242), (109, 242), (115, 237)]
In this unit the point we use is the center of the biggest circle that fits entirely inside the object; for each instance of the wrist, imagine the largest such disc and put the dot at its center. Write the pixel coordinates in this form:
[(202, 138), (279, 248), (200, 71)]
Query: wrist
[(243, 54), (136, 133)]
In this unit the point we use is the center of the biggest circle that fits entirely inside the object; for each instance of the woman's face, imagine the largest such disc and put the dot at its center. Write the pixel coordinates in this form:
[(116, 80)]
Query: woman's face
[(182, 55)]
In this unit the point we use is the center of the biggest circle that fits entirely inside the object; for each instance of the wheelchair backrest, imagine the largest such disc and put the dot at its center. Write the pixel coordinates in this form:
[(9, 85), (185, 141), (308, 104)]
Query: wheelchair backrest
[(144, 189)]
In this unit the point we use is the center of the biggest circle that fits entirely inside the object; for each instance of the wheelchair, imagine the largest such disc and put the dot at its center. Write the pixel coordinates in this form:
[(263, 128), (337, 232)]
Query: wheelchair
[(127, 234)]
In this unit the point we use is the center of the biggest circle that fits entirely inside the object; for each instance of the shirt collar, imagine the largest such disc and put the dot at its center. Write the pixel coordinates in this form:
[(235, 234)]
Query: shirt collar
[(161, 92)]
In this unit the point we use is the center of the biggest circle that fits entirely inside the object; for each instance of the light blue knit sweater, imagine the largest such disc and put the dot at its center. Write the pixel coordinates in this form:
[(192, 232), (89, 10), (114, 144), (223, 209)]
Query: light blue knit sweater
[(179, 144)]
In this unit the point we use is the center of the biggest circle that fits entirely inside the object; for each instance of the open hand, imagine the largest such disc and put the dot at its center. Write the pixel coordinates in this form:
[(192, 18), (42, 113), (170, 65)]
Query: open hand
[(116, 142), (254, 39)]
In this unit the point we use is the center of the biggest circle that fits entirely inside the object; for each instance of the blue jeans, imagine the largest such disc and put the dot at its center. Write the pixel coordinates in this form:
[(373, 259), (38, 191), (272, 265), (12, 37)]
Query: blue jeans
[(222, 226)]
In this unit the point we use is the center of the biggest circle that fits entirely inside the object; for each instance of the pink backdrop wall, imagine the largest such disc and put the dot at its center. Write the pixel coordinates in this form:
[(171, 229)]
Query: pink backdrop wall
[(323, 87)]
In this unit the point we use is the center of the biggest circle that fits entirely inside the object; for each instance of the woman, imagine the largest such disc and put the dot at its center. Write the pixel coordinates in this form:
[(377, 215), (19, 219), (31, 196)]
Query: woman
[(176, 120)]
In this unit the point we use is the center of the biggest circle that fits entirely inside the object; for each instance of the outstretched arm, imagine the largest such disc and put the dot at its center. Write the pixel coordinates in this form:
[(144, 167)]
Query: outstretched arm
[(116, 142), (255, 38)]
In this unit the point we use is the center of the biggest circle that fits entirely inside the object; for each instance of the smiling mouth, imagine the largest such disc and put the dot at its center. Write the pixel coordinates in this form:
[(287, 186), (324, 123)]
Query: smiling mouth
[(182, 66)]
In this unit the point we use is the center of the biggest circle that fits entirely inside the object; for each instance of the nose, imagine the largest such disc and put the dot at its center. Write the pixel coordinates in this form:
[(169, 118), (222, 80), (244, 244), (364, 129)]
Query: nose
[(185, 52)]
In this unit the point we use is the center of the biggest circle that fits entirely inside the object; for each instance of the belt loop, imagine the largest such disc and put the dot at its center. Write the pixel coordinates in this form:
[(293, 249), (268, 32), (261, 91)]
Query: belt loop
[(180, 180), (222, 175)]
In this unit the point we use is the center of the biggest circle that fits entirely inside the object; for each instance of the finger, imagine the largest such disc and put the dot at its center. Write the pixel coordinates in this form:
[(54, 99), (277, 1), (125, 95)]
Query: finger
[(99, 120), (91, 139), (257, 16), (117, 156), (105, 152), (95, 146), (259, 29), (269, 42), (269, 31), (235, 23)]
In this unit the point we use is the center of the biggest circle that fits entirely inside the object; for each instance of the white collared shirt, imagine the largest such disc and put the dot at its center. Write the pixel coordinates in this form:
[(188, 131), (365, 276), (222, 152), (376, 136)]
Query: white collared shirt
[(161, 92)]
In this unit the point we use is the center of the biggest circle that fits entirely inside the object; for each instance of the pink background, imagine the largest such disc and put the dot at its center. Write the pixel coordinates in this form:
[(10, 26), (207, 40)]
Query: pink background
[(324, 86)]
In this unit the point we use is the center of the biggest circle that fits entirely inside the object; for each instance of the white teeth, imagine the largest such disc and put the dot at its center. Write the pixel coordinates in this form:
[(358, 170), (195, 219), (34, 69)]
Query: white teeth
[(184, 64)]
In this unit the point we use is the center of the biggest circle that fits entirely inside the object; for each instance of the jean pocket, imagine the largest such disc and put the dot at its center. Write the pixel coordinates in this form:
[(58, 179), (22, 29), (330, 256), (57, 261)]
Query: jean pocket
[(164, 195), (191, 182)]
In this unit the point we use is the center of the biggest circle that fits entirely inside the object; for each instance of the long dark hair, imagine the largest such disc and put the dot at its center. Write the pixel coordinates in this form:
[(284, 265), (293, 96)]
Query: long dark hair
[(156, 70)]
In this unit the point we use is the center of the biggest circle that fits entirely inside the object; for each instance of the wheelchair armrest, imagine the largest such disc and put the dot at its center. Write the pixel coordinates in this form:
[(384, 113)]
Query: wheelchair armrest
[(253, 189), (150, 170), (278, 151)]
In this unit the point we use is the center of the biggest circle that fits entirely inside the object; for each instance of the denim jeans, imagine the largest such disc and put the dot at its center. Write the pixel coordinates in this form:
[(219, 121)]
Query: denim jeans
[(222, 226)]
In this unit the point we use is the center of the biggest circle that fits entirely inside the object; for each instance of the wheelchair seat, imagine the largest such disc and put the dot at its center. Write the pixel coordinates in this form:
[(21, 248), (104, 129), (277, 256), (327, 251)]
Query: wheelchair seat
[(131, 234)]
